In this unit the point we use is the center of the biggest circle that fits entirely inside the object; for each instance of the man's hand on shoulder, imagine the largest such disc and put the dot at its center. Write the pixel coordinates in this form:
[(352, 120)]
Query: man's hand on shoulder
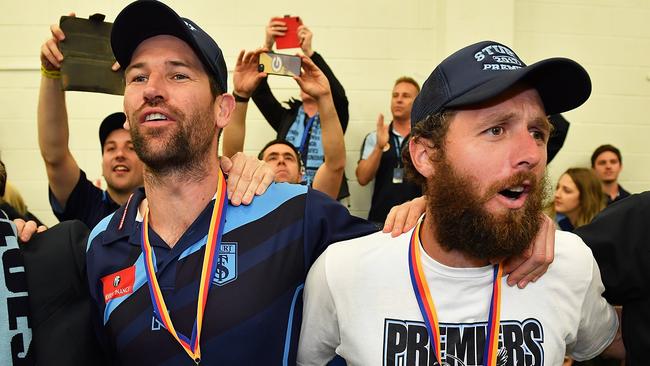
[(247, 177), (27, 229), (530, 265)]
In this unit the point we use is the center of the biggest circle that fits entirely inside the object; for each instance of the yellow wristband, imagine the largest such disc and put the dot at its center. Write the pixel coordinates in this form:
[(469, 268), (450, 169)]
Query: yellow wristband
[(50, 74)]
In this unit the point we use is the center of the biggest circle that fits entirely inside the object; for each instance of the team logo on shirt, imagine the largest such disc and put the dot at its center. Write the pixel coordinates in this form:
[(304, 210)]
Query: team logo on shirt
[(118, 284), (406, 343), (226, 270)]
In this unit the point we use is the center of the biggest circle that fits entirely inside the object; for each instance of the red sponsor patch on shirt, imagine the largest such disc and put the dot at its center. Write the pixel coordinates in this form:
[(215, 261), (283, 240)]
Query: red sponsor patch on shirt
[(118, 284)]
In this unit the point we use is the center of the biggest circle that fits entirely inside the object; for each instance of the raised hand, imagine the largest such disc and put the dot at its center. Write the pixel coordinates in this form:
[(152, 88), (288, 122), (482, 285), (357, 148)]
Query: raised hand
[(305, 35), (51, 56), (246, 77), (312, 80), (275, 28)]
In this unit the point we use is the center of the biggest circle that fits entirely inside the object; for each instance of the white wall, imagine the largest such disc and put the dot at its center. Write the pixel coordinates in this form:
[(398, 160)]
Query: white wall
[(368, 44)]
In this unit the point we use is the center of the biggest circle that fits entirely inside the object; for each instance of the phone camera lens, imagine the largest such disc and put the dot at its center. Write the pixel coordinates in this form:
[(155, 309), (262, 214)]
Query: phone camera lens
[(260, 67)]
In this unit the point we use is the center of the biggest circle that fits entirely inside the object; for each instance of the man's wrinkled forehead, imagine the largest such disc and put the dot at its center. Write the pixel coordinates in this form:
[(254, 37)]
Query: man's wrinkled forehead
[(156, 45)]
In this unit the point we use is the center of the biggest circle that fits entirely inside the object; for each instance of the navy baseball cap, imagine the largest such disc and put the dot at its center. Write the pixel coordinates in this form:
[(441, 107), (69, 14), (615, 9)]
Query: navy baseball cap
[(111, 123), (484, 70), (144, 19)]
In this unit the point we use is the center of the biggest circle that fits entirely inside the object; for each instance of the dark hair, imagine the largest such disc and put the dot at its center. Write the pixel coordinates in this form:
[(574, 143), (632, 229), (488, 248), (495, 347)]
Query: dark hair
[(214, 86), (433, 128), (601, 149), (281, 142), (407, 79)]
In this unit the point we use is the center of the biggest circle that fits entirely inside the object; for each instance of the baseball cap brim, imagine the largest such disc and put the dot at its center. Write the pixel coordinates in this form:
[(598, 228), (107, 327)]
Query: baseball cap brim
[(111, 123), (561, 83), (144, 19)]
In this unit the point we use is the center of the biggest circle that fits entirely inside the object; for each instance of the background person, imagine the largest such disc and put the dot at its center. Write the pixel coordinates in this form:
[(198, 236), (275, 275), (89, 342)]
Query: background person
[(579, 197), (282, 155), (607, 163), (381, 154), (300, 123)]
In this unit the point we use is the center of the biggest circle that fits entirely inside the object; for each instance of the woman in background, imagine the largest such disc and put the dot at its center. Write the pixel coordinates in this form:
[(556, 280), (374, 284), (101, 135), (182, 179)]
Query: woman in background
[(579, 197)]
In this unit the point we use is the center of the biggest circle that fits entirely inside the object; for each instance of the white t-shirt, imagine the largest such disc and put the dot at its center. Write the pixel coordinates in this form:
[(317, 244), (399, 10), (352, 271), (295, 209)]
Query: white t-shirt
[(359, 303)]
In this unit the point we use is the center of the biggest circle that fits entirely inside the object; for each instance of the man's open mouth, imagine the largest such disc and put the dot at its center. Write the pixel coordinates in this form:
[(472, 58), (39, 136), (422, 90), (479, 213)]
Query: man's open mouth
[(155, 117), (514, 192)]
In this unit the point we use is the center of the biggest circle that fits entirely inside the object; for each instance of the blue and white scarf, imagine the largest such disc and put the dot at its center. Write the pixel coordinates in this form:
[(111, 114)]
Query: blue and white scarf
[(312, 155)]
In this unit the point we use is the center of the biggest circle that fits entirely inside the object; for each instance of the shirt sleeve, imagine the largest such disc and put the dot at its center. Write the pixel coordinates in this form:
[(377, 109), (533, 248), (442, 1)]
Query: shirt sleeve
[(598, 322), (319, 335), (368, 145), (85, 203), (327, 221)]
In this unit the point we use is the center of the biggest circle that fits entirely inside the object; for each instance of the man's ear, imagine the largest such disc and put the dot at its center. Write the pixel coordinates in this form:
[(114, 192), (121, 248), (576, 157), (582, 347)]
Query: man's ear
[(422, 155), (223, 107)]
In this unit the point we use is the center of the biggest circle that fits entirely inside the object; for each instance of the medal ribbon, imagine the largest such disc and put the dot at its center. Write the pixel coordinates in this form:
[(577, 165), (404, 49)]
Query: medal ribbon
[(428, 310), (190, 345)]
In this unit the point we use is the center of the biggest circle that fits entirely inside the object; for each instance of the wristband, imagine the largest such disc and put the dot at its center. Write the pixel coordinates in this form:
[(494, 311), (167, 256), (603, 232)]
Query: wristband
[(239, 98), (50, 74)]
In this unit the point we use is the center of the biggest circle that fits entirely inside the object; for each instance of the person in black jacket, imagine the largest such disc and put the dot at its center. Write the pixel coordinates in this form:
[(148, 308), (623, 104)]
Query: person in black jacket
[(280, 154), (300, 122), (619, 237)]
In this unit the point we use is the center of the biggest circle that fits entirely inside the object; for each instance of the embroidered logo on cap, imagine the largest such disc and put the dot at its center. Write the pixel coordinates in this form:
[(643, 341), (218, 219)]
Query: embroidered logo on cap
[(503, 58), (118, 284), (190, 26)]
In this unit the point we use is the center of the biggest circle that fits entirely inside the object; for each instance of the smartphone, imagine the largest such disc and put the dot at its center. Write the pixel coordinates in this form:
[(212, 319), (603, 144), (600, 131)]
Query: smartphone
[(279, 64), (290, 38), (88, 57)]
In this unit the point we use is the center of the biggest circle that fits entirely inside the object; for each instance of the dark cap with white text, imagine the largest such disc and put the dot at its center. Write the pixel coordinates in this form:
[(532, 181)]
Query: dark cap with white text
[(144, 19), (484, 70)]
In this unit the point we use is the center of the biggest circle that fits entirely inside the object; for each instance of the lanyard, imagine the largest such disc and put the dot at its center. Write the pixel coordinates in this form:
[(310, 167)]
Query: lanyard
[(306, 133), (191, 346), (398, 148), (428, 310)]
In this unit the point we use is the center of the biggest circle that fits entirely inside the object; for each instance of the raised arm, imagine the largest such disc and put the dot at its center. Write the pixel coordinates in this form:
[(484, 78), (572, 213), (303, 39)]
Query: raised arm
[(329, 174), (271, 108), (52, 116), (371, 153), (246, 78)]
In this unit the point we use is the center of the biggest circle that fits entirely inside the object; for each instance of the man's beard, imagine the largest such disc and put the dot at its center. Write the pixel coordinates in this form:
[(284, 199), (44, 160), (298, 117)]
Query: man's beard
[(185, 149), (461, 221)]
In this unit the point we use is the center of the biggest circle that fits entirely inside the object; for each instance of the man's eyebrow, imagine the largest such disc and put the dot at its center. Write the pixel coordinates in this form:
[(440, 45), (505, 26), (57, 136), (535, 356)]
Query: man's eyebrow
[(139, 65), (543, 122), (495, 117)]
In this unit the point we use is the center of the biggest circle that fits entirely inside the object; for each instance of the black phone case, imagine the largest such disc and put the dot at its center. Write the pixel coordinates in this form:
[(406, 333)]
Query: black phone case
[(88, 56)]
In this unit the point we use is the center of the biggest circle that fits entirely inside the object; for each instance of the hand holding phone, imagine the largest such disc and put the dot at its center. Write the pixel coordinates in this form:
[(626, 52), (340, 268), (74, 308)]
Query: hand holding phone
[(290, 38), (279, 64)]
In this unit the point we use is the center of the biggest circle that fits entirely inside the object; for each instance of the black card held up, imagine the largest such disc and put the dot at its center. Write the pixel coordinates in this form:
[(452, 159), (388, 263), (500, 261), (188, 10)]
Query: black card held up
[(88, 57)]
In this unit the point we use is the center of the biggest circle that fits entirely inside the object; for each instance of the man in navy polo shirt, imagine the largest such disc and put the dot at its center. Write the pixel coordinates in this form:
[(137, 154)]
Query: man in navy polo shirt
[(160, 300)]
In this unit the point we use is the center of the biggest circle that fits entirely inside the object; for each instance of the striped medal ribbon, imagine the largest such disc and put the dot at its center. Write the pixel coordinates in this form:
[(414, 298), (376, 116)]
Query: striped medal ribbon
[(428, 310), (191, 346)]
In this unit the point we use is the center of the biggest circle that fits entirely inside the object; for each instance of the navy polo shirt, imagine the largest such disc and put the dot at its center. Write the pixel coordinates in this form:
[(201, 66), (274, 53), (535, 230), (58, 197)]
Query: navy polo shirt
[(86, 203), (254, 307)]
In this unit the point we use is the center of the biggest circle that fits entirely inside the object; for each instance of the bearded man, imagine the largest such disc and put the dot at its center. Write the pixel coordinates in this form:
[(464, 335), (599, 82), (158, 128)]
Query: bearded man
[(436, 295)]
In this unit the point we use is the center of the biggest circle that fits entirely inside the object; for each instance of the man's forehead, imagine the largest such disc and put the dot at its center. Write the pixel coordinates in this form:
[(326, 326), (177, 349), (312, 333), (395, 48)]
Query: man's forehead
[(164, 45), (278, 149), (117, 136), (607, 155)]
